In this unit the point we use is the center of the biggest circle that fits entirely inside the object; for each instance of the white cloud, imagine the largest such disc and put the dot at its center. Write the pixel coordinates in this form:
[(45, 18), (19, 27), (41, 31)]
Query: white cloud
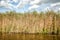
[(33, 7), (4, 4), (59, 8), (35, 2), (55, 4), (22, 3), (15, 0), (10, 0), (52, 6)]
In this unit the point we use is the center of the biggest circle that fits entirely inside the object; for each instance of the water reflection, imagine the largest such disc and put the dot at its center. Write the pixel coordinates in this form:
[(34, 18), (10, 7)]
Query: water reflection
[(26, 36)]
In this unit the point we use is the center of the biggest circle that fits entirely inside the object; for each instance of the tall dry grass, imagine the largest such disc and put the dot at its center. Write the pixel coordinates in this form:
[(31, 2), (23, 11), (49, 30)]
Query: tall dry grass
[(48, 22)]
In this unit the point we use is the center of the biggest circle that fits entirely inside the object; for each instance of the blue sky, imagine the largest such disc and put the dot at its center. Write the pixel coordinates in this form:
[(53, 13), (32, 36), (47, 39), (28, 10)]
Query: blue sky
[(29, 5)]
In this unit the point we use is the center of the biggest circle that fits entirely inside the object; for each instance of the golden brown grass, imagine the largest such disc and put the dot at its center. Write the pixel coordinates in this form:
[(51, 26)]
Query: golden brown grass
[(34, 22)]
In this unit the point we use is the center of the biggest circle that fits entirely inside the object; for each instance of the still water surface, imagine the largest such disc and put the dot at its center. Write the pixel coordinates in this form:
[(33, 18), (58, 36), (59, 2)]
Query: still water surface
[(26, 36)]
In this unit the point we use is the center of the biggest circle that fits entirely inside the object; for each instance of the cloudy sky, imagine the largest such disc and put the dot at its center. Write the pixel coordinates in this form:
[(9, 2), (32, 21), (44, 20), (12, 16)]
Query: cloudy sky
[(29, 5)]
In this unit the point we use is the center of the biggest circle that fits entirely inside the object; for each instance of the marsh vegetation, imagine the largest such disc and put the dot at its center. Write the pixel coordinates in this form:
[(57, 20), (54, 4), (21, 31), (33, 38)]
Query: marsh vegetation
[(36, 26)]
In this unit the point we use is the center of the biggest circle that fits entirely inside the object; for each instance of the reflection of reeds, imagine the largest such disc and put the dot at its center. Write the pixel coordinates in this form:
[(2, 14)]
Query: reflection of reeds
[(48, 22), (20, 36)]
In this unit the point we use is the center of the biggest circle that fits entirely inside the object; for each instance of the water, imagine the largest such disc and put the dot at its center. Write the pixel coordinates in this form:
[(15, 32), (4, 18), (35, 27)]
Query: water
[(26, 36)]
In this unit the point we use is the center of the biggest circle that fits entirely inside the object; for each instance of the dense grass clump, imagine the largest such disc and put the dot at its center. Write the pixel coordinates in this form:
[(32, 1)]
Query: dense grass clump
[(34, 22)]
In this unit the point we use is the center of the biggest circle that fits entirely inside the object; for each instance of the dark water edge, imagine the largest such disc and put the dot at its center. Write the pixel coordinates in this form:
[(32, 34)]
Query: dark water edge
[(28, 36)]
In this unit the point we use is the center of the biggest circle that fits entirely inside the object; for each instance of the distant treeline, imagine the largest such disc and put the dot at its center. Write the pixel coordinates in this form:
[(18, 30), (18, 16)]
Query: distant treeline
[(30, 22)]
